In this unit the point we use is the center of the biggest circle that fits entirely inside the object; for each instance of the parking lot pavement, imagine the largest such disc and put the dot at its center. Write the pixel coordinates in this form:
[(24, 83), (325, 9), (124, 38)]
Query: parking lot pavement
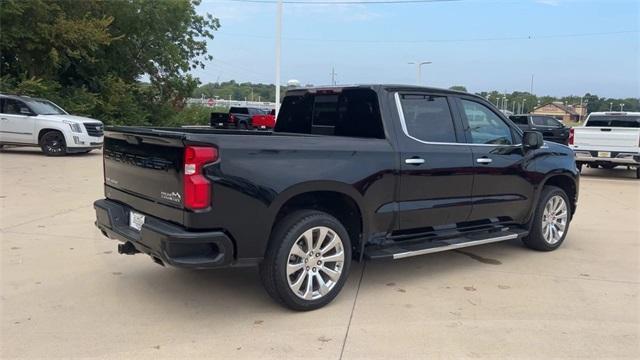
[(67, 293)]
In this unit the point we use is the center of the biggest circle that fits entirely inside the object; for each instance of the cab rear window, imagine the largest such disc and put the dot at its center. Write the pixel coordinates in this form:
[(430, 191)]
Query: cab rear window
[(624, 121)]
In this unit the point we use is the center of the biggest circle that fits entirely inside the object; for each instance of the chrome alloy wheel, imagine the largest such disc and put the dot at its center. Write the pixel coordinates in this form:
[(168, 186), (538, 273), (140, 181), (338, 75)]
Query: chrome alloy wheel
[(315, 263), (554, 219)]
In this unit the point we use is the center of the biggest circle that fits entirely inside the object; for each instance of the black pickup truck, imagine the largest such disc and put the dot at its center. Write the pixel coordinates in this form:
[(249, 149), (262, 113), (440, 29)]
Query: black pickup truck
[(551, 129), (349, 173)]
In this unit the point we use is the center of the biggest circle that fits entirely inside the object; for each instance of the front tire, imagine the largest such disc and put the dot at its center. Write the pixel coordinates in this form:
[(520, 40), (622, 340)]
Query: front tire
[(551, 220), (52, 143), (307, 261)]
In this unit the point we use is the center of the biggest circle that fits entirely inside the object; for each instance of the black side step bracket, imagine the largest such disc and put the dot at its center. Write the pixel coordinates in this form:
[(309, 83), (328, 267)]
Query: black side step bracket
[(414, 248)]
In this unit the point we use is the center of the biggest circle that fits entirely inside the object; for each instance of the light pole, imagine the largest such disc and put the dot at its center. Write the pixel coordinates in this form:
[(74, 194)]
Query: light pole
[(506, 104), (523, 102), (278, 46), (610, 106), (621, 107), (418, 65)]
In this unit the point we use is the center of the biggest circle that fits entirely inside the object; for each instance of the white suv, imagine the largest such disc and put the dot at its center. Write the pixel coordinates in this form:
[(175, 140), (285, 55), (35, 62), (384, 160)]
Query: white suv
[(26, 121)]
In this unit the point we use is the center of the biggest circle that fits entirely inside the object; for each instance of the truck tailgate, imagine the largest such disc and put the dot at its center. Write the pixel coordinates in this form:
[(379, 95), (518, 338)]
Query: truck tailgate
[(603, 137), (145, 164)]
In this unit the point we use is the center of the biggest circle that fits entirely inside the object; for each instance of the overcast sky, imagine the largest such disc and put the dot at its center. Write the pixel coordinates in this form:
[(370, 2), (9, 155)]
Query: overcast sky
[(570, 46)]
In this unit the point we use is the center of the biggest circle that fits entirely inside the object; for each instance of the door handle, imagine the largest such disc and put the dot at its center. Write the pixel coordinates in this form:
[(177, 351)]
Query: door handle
[(484, 160), (414, 161)]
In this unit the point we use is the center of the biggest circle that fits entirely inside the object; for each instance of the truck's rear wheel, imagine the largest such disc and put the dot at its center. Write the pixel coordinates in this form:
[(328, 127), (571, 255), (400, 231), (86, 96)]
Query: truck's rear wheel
[(52, 143), (307, 261), (551, 220)]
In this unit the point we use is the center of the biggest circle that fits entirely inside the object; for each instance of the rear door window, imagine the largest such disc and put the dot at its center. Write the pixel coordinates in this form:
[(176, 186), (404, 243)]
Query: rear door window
[(239, 110), (545, 121), (428, 118), (520, 120)]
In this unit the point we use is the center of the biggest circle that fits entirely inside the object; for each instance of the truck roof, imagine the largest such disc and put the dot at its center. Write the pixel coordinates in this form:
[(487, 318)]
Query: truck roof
[(391, 87)]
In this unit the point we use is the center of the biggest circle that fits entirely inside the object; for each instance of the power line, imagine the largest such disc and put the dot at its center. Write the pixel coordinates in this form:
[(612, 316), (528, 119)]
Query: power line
[(365, 41), (346, 2)]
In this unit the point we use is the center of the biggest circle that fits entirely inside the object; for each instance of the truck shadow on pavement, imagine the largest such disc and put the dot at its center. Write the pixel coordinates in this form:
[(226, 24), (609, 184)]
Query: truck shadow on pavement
[(181, 291), (620, 173), (37, 152)]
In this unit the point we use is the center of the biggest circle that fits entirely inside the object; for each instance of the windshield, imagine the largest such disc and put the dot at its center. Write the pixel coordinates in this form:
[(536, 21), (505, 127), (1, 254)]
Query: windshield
[(45, 107), (627, 121)]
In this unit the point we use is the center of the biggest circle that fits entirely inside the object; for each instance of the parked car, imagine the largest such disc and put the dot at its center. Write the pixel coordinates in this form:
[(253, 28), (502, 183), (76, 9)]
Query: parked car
[(551, 129), (607, 140), (27, 121), (362, 172), (238, 117)]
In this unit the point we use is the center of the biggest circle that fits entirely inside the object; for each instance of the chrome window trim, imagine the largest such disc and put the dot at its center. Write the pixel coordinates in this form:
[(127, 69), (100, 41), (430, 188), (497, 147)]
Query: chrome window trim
[(406, 132)]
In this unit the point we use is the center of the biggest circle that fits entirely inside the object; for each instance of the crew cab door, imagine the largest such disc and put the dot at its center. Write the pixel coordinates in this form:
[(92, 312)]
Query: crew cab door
[(436, 171), (502, 191), (16, 123)]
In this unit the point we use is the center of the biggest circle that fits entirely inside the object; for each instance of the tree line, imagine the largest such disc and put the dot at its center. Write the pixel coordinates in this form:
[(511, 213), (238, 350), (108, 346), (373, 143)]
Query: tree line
[(122, 62)]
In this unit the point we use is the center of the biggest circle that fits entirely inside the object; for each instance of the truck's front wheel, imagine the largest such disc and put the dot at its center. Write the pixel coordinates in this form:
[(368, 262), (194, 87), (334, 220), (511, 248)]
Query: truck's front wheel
[(551, 221), (307, 261)]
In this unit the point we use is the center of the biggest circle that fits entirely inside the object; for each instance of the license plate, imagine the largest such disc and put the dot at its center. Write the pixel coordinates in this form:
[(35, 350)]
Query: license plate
[(604, 154), (136, 220), (220, 124), (262, 127)]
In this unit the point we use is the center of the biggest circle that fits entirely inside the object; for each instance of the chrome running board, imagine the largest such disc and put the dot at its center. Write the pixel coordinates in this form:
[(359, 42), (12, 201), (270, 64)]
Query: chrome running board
[(453, 246), (409, 248)]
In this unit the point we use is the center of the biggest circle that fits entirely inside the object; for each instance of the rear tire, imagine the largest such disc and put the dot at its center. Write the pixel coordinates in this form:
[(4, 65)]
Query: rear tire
[(551, 220), (243, 126), (52, 143), (638, 172), (307, 261)]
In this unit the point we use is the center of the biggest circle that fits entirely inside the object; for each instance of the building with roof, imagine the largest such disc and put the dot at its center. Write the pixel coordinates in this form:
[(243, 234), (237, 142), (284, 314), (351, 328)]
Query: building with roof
[(562, 112)]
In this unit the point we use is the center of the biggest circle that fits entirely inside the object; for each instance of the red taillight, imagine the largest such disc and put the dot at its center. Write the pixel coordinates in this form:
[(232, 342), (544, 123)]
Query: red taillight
[(197, 189), (232, 118), (571, 136)]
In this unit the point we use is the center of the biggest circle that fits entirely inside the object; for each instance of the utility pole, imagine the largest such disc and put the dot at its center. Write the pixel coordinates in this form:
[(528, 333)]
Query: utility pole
[(333, 75), (278, 52), (418, 65), (531, 89)]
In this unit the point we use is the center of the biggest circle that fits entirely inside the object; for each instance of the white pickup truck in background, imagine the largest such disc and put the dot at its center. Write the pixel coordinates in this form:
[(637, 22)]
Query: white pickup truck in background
[(607, 140)]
